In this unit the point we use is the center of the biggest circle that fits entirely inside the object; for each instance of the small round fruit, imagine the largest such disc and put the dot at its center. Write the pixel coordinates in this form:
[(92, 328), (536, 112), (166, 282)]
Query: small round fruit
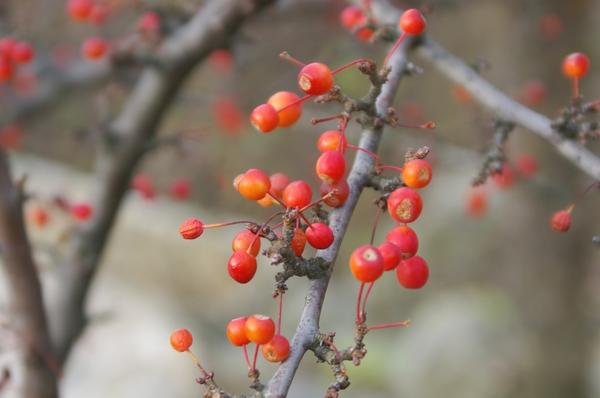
[(412, 273), (39, 216), (412, 22), (278, 183), (331, 140), (264, 118), (527, 165), (191, 228), (339, 196), (319, 235), (180, 189), (391, 255), (276, 350), (144, 186), (81, 211), (260, 329), (149, 23), (404, 205), (416, 173), (477, 202), (254, 184), (236, 331), (181, 340), (297, 194), (291, 113), (366, 263), (241, 266), (79, 10), (315, 78), (22, 53), (352, 16), (331, 166), (576, 65), (561, 220), (242, 241), (405, 239), (505, 178), (94, 48), (298, 241)]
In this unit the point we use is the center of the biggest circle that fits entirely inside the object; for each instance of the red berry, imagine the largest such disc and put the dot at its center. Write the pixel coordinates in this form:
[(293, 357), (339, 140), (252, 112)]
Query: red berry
[(276, 350), (22, 53), (7, 45), (405, 239), (416, 173), (338, 198), (297, 194), (260, 329), (404, 205), (191, 228), (291, 113), (366, 263), (527, 165), (94, 48), (551, 26), (505, 178), (180, 189), (412, 273), (461, 94), (331, 166), (11, 137), (315, 79), (81, 211), (236, 331), (228, 115), (561, 220), (391, 255), (79, 10), (319, 235), (39, 216), (221, 60), (241, 266), (477, 202), (331, 140), (149, 23), (278, 183), (576, 65), (353, 19), (181, 340), (254, 184), (6, 68), (242, 241), (298, 241), (144, 186), (99, 14), (533, 93), (412, 22), (264, 118)]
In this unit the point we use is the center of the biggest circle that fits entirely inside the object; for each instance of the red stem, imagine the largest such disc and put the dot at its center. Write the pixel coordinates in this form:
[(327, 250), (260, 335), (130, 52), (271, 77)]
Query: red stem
[(389, 325), (358, 302), (575, 87), (375, 223), (364, 302), (279, 311), (383, 167), (394, 48), (226, 224), (348, 65), (286, 56), (276, 199), (255, 357), (371, 154), (298, 101), (245, 350), (326, 119)]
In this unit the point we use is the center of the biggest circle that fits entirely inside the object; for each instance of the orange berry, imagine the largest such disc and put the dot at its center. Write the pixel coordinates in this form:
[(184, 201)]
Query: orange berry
[(181, 340), (416, 173), (276, 350), (576, 65), (254, 184), (242, 242), (264, 118), (236, 331), (366, 263), (290, 114), (191, 228), (260, 329)]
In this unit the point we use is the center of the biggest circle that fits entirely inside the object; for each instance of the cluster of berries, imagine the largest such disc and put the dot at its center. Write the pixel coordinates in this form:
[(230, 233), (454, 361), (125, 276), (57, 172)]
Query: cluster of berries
[(13, 53)]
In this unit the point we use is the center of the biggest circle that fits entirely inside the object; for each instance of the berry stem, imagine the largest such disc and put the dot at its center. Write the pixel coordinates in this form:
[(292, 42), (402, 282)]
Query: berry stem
[(394, 48), (400, 324), (255, 357), (430, 125), (279, 311), (276, 199), (298, 101), (315, 120), (365, 298), (375, 223), (375, 157), (257, 235), (348, 65), (245, 350), (197, 362), (226, 224), (576, 88), (316, 202), (358, 302), (286, 56), (383, 167)]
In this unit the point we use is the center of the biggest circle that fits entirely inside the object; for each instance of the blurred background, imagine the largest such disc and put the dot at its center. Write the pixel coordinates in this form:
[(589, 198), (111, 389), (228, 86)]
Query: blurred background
[(511, 308)]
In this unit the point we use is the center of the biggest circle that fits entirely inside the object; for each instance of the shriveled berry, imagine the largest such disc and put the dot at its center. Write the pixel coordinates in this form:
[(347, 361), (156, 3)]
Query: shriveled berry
[(264, 118), (405, 239), (331, 140), (260, 329), (243, 240), (241, 266), (319, 235), (181, 340), (254, 184), (236, 331), (412, 22), (191, 228), (291, 113), (315, 78), (297, 194), (391, 255), (561, 220), (416, 173), (340, 189), (576, 65), (298, 241), (366, 263), (404, 205), (276, 350), (412, 273), (331, 166)]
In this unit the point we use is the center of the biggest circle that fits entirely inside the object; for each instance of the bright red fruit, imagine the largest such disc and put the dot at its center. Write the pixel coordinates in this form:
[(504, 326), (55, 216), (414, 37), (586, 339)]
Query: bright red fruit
[(242, 241), (315, 78), (298, 241), (527, 165), (181, 340), (276, 350), (390, 254), (260, 329), (477, 202), (6, 45), (6, 67), (505, 178), (236, 331), (331, 140), (291, 113), (180, 189), (404, 205), (81, 211), (412, 22), (416, 173), (39, 216), (228, 115), (331, 166), (149, 23), (319, 235), (254, 184), (412, 273), (338, 198), (94, 48), (22, 53), (241, 266), (561, 220), (264, 118), (191, 228), (405, 239), (278, 183), (366, 263), (576, 65), (353, 19), (144, 186), (11, 137), (79, 10), (297, 194)]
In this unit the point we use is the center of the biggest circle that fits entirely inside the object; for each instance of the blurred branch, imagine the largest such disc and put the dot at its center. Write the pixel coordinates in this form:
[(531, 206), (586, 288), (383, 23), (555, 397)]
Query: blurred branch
[(28, 317), (307, 331)]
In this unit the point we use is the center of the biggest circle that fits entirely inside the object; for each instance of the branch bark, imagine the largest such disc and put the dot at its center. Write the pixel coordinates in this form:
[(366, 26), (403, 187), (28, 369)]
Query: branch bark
[(308, 326)]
